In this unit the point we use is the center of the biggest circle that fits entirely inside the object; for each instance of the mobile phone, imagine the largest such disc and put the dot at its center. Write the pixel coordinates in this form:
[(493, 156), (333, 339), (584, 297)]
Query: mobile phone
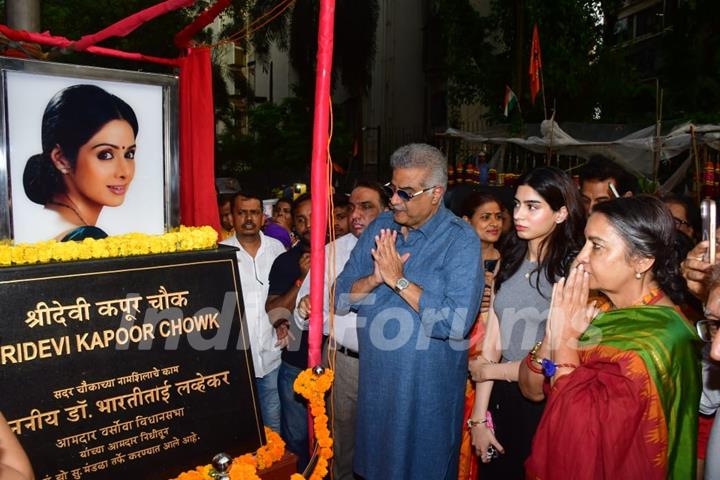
[(708, 211)]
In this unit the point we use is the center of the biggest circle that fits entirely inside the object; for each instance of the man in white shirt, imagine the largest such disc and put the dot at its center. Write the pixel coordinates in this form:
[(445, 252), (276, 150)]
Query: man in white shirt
[(367, 201), (255, 256)]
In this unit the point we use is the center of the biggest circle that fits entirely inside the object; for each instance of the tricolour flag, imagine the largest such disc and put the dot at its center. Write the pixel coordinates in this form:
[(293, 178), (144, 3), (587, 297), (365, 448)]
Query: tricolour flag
[(535, 65), (510, 101)]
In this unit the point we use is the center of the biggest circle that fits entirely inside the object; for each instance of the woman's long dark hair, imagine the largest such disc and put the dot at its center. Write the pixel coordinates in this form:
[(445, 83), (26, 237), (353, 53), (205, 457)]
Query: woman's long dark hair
[(647, 227), (559, 248), (476, 200), (71, 118)]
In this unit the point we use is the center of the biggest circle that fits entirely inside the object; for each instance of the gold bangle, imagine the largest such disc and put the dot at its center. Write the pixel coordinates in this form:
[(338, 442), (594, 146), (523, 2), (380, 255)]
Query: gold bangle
[(533, 353), (474, 423)]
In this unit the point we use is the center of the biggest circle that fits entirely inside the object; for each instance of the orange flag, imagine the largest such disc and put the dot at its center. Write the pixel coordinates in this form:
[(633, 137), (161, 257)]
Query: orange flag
[(535, 65)]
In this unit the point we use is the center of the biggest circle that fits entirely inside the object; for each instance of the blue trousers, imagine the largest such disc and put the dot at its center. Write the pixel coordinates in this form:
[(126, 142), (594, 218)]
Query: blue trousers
[(294, 415), (269, 397)]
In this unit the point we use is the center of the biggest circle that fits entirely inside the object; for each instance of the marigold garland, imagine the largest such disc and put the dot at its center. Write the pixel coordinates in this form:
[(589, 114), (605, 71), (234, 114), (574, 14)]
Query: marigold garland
[(181, 240), (312, 384), (245, 466)]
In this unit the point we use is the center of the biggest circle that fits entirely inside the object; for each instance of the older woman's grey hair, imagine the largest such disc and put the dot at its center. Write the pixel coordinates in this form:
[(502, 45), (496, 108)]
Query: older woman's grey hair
[(421, 155)]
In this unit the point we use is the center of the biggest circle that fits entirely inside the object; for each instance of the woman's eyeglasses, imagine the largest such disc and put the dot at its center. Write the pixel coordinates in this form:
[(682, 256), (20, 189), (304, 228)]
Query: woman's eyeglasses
[(679, 223), (706, 329), (391, 190)]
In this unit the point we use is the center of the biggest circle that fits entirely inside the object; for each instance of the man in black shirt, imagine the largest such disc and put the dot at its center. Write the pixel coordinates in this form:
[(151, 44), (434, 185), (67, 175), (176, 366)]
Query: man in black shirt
[(286, 277)]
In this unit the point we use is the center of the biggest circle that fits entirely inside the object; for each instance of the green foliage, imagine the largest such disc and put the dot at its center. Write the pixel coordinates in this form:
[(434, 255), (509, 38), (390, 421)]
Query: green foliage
[(584, 68), (74, 18), (468, 39), (692, 62), (296, 31), (274, 32), (280, 147), (486, 53), (584, 73), (283, 148)]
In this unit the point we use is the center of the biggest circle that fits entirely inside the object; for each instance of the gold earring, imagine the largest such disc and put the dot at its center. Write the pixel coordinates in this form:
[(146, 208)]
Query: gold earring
[(638, 275)]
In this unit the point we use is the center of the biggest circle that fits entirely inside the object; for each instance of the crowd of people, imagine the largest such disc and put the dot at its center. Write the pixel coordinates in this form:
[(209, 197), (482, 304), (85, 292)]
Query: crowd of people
[(551, 338), (557, 337)]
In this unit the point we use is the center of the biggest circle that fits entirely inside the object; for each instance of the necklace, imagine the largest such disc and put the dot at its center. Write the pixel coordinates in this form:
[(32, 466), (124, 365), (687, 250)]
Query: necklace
[(71, 208), (527, 274), (651, 298)]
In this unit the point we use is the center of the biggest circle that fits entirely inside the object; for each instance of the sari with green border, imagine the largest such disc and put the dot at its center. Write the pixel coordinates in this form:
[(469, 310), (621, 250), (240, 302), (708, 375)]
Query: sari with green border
[(630, 409)]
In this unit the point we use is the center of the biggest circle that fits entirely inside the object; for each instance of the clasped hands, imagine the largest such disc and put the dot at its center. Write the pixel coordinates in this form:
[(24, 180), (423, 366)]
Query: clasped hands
[(570, 315), (388, 262)]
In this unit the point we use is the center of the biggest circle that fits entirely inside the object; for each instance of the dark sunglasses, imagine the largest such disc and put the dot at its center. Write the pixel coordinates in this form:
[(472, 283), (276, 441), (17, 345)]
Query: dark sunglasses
[(391, 190)]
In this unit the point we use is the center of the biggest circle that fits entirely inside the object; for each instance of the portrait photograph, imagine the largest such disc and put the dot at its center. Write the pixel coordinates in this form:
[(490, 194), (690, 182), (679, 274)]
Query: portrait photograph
[(85, 156)]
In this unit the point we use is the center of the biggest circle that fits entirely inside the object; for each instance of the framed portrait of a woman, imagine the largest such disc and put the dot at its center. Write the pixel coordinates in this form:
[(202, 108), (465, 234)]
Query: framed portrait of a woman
[(89, 152)]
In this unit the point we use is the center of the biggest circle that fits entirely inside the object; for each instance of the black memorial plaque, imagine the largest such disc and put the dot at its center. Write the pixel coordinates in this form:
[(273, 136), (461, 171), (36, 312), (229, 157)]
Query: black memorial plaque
[(127, 368)]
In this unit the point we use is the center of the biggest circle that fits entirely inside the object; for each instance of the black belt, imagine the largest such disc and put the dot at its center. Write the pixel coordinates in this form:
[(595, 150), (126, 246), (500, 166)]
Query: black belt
[(347, 351)]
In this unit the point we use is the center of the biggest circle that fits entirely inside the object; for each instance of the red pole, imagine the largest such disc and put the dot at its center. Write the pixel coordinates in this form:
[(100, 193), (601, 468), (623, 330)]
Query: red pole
[(319, 176)]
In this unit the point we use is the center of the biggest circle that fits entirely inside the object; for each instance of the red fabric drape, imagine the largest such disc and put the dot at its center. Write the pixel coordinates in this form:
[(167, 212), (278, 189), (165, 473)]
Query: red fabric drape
[(183, 37), (129, 24), (62, 42), (198, 205)]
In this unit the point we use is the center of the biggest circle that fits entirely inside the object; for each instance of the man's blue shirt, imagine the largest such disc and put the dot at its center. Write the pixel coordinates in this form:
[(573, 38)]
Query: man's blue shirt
[(413, 366)]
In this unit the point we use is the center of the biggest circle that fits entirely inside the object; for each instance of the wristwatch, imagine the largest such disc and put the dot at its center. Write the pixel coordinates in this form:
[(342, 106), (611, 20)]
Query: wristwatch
[(401, 284)]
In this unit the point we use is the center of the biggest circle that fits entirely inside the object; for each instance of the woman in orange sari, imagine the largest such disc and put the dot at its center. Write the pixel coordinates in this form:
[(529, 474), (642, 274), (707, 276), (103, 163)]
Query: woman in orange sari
[(484, 212)]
